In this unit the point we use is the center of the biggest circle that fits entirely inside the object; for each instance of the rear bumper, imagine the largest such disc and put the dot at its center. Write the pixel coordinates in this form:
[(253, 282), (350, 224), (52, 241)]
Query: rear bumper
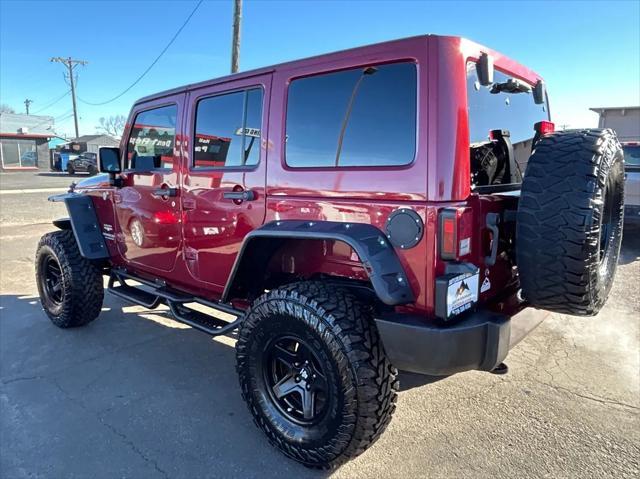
[(480, 341)]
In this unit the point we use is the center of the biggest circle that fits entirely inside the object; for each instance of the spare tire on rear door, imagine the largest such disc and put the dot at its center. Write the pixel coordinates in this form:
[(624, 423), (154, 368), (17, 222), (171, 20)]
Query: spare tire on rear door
[(569, 221)]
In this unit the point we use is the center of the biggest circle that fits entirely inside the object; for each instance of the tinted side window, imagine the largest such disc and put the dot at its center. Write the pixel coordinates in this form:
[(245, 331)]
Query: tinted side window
[(228, 129), (152, 139), (360, 117)]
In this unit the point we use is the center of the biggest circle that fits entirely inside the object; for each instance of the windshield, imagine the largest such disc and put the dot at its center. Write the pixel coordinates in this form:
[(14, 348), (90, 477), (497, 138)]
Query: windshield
[(631, 155)]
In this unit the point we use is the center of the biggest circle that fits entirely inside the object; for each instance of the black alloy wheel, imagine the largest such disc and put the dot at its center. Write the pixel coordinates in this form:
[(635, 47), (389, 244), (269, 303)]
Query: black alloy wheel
[(51, 279), (295, 379)]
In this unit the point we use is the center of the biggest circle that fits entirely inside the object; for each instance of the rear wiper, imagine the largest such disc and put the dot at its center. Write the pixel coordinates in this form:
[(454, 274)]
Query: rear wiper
[(510, 86)]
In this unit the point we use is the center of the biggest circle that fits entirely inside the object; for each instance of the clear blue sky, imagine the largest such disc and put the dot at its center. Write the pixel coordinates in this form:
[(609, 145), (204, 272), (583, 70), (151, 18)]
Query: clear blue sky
[(588, 51)]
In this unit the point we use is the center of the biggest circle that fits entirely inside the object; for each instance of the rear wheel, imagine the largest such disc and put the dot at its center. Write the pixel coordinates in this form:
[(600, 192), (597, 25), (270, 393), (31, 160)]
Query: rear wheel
[(70, 169), (70, 286), (570, 218), (314, 374)]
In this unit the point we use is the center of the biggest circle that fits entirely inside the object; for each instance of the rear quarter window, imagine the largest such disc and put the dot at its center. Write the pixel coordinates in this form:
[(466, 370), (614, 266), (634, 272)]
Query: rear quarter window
[(359, 117)]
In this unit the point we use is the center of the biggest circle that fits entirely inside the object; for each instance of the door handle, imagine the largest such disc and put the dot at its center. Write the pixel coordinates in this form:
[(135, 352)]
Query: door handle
[(247, 195), (165, 192), (493, 219)]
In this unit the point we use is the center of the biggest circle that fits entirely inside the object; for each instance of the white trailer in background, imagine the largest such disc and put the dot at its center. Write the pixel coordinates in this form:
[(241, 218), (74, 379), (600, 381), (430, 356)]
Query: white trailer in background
[(625, 120)]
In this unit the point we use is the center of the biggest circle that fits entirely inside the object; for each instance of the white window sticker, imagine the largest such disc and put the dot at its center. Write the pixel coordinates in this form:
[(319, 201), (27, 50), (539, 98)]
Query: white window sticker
[(465, 246), (462, 293), (486, 285)]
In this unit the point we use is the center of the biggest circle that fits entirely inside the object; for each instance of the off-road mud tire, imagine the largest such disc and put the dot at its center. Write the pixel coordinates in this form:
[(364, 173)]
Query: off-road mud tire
[(572, 194), (366, 383), (82, 290)]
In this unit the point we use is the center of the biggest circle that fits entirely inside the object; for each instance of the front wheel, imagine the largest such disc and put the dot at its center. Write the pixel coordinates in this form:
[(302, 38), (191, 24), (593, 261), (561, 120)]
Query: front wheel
[(70, 286), (314, 373)]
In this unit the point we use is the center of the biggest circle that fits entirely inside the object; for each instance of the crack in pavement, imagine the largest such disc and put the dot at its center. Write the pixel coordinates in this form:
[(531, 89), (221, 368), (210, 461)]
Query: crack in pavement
[(601, 400), (112, 428), (23, 378)]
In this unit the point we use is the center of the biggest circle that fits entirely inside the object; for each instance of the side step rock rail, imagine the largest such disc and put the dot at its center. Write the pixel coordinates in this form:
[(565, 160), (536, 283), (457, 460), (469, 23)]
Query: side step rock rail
[(154, 295)]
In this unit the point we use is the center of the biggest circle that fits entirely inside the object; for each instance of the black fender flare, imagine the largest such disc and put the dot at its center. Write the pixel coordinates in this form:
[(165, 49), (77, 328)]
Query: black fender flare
[(378, 256), (84, 223), (63, 224)]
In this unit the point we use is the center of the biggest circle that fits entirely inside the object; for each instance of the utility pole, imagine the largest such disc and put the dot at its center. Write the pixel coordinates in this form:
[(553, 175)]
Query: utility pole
[(70, 63), (27, 102), (235, 43)]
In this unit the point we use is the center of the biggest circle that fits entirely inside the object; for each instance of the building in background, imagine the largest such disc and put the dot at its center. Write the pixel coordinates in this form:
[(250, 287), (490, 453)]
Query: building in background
[(624, 120), (92, 143), (24, 141)]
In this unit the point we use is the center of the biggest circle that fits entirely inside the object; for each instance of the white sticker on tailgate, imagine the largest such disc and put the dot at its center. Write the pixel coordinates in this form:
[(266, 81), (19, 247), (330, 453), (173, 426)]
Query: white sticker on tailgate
[(462, 292)]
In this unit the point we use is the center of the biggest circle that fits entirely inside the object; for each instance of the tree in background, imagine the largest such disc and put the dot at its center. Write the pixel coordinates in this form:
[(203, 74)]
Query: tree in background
[(4, 108), (113, 125)]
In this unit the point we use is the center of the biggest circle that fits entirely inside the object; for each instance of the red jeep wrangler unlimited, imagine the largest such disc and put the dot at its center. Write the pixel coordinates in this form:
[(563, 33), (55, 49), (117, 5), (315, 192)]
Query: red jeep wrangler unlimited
[(405, 205)]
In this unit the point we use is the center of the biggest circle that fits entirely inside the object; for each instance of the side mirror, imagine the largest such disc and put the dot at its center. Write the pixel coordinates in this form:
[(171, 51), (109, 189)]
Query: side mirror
[(110, 160), (539, 93), (484, 69)]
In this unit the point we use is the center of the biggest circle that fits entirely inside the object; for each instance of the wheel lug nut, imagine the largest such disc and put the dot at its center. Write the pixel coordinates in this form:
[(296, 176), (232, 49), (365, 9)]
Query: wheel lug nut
[(297, 379), (308, 386), (313, 376)]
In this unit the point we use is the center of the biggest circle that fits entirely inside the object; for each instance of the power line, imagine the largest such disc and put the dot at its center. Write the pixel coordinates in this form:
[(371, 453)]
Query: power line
[(152, 63), (66, 114), (52, 103)]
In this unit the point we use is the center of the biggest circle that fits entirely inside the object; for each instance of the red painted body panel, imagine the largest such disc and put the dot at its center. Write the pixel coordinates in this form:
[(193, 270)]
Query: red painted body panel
[(183, 254)]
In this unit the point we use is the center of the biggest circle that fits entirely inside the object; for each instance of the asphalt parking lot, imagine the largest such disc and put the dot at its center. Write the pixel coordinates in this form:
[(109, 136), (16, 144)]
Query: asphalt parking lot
[(135, 394)]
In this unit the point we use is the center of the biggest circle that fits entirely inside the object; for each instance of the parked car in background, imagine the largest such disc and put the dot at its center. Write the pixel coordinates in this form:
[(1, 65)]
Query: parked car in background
[(632, 179), (87, 161)]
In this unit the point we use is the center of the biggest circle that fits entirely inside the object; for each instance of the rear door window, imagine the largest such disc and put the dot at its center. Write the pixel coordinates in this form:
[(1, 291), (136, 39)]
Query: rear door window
[(228, 130), (359, 117)]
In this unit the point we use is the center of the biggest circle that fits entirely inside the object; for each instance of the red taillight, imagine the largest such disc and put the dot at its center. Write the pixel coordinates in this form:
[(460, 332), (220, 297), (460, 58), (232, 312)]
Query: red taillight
[(455, 231), (544, 127), (164, 217), (448, 238)]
